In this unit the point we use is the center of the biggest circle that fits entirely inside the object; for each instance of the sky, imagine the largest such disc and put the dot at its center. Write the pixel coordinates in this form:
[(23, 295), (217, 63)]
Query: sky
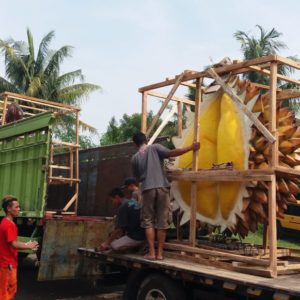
[(123, 45)]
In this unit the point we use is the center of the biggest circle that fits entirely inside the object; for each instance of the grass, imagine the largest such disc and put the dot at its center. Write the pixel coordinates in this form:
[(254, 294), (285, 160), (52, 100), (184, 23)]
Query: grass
[(287, 242)]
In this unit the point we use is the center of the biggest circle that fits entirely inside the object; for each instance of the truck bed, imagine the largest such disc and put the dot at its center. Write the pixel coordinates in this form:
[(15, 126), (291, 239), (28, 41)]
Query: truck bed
[(207, 275)]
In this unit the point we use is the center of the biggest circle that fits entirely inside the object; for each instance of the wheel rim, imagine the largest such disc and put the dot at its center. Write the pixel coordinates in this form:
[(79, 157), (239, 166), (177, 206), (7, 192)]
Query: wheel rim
[(155, 294)]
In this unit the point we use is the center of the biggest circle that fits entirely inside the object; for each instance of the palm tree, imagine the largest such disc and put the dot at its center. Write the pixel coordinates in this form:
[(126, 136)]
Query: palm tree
[(39, 75), (266, 43)]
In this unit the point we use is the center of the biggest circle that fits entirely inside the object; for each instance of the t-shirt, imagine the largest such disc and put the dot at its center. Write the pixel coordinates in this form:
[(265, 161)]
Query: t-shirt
[(128, 218), (147, 165), (8, 233)]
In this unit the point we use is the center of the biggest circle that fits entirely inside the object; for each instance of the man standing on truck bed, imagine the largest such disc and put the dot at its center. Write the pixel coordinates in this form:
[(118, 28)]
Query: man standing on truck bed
[(8, 248), (148, 169)]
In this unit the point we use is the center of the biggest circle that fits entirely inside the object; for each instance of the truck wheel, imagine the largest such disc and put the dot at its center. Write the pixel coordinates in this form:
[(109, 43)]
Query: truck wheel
[(160, 287)]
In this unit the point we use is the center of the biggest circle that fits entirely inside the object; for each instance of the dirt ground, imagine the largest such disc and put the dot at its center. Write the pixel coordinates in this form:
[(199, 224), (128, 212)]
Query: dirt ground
[(30, 288)]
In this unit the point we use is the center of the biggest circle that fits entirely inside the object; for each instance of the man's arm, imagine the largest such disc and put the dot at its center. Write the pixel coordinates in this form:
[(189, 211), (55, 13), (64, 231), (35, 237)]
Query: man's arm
[(115, 234), (24, 246), (180, 151)]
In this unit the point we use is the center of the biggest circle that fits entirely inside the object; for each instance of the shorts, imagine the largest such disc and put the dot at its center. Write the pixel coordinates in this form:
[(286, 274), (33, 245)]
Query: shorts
[(156, 209), (8, 283), (124, 243)]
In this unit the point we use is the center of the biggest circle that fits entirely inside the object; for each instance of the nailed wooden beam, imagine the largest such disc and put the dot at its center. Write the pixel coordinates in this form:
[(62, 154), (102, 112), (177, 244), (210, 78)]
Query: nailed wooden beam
[(226, 69), (166, 102), (144, 113), (281, 77), (288, 62), (174, 98), (179, 119), (40, 101), (163, 125), (193, 208), (243, 107), (288, 94)]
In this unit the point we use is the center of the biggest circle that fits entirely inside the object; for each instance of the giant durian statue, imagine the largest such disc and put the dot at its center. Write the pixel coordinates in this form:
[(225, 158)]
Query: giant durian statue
[(228, 135)]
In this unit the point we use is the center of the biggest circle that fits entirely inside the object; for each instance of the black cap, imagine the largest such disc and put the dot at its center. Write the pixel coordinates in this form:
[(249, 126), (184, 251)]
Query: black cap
[(128, 181)]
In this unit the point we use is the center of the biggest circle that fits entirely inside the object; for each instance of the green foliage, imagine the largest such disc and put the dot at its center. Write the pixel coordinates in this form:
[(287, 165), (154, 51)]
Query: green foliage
[(128, 125), (266, 43), (39, 75)]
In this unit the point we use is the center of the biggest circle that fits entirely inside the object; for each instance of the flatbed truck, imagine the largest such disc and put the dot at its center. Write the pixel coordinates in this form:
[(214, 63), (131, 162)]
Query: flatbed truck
[(174, 279)]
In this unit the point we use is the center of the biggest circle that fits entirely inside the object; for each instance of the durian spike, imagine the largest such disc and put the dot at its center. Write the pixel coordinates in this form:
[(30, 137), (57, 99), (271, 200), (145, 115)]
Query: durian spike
[(283, 111), (295, 142), (297, 133), (291, 199), (286, 147), (252, 91), (293, 187), (259, 158), (263, 166), (283, 187), (260, 196), (288, 159), (287, 131), (260, 144), (246, 202), (282, 164)]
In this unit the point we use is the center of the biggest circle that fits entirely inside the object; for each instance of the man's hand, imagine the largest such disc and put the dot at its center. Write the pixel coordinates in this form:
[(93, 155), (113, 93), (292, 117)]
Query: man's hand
[(32, 245), (104, 246), (195, 146)]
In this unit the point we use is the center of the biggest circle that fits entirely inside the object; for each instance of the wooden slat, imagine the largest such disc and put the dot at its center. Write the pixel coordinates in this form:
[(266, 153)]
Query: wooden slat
[(244, 108), (165, 103), (193, 208), (288, 94), (282, 77), (174, 98), (144, 113), (225, 69), (4, 110), (40, 101), (71, 201), (288, 62), (162, 125), (179, 119), (216, 253), (221, 175), (59, 167), (62, 179)]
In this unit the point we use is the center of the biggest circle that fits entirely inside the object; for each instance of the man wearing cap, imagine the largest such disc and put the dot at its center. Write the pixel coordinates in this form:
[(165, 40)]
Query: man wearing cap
[(8, 248), (127, 232), (147, 167)]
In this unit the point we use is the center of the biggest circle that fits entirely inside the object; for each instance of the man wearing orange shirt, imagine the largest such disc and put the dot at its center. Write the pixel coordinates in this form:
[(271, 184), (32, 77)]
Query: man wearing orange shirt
[(8, 248)]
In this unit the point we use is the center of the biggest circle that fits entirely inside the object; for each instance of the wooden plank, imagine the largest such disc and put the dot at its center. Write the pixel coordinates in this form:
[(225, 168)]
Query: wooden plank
[(40, 101), (179, 119), (287, 171), (144, 113), (288, 62), (59, 167), (193, 208), (216, 253), (225, 69), (162, 125), (70, 202), (165, 103), (174, 98), (281, 77), (243, 107), (62, 179), (287, 94), (77, 161)]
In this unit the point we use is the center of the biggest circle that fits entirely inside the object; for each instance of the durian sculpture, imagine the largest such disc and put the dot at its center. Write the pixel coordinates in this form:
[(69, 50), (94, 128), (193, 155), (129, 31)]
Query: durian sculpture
[(228, 135)]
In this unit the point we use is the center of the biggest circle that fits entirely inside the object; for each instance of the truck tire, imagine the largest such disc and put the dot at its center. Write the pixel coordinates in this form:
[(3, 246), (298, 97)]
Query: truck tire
[(160, 287)]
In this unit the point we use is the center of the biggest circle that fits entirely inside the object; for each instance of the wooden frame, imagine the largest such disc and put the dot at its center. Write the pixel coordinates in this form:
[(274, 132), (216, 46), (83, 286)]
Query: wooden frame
[(34, 106), (268, 66)]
